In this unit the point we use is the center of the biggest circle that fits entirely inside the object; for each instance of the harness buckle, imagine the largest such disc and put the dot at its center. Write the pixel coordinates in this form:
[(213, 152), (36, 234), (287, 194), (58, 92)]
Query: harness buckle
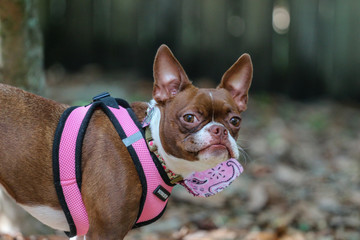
[(101, 96), (106, 99)]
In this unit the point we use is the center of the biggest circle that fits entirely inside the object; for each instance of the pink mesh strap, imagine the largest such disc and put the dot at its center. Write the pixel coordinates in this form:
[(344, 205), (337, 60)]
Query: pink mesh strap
[(67, 170), (153, 205)]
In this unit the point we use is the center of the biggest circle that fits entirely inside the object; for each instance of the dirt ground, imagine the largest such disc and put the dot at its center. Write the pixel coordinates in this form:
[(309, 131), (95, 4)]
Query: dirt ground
[(300, 180)]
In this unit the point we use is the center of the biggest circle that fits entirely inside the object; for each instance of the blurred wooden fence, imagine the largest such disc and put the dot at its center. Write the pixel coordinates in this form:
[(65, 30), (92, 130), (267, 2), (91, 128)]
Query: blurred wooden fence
[(317, 54)]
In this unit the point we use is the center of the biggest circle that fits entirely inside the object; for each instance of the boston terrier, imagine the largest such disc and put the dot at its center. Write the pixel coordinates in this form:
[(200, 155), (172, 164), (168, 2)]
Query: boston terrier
[(187, 130)]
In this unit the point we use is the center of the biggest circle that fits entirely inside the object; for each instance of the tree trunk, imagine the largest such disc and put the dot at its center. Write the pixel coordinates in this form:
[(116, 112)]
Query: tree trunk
[(21, 65), (21, 53)]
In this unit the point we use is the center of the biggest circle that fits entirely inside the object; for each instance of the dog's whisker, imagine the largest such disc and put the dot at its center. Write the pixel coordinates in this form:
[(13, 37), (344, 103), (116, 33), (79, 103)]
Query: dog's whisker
[(243, 155), (242, 140)]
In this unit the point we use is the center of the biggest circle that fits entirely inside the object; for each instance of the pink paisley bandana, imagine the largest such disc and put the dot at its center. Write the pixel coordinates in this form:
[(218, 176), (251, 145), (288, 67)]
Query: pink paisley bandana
[(214, 180)]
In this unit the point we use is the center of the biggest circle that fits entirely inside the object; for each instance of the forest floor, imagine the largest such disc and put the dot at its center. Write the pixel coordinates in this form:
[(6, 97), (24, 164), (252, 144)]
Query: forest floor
[(300, 179)]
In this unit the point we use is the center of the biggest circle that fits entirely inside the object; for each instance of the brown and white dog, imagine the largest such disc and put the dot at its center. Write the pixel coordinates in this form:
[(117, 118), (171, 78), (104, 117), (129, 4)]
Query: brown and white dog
[(194, 129)]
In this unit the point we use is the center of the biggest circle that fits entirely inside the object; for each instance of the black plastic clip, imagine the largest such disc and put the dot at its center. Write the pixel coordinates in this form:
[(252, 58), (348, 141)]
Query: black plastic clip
[(106, 99), (101, 96)]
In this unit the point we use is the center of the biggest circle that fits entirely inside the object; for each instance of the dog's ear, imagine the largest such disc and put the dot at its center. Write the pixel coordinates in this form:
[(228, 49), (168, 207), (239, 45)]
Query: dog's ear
[(169, 76), (237, 80)]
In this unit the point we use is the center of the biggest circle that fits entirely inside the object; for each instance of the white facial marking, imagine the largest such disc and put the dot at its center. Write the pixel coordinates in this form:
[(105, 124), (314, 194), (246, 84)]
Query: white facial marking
[(212, 105), (182, 166), (204, 136)]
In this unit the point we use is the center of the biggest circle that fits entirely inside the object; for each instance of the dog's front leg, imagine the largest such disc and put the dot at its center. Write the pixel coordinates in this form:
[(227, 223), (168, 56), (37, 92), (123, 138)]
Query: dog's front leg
[(111, 187)]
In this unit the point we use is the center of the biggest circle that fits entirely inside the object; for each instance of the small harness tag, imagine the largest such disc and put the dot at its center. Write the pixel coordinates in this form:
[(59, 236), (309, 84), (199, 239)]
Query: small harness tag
[(161, 193)]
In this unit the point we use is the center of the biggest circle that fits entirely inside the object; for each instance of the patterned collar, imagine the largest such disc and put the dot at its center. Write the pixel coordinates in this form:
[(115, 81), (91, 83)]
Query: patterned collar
[(174, 178)]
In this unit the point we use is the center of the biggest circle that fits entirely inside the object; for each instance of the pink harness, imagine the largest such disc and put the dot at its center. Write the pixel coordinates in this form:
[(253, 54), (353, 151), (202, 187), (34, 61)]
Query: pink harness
[(67, 162), (155, 181)]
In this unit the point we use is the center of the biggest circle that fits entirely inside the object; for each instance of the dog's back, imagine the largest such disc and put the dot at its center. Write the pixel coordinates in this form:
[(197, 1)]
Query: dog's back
[(24, 139)]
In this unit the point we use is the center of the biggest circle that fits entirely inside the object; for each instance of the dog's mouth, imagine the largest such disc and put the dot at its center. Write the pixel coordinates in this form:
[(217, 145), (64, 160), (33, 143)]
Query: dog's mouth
[(217, 149)]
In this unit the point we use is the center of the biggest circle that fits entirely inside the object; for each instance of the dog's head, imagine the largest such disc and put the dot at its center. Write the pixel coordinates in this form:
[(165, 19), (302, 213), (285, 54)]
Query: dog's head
[(197, 128)]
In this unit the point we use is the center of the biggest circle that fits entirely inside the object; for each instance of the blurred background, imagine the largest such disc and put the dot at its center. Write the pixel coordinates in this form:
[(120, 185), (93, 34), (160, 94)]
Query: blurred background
[(301, 130), (304, 49)]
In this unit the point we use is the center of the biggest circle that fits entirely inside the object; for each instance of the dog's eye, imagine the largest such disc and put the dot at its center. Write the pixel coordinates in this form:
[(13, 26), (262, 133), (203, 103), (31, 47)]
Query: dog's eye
[(235, 121), (190, 118)]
